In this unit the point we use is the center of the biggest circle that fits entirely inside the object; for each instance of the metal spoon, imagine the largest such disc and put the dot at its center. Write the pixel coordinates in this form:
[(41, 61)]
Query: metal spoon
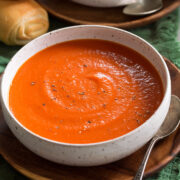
[(143, 7), (169, 125)]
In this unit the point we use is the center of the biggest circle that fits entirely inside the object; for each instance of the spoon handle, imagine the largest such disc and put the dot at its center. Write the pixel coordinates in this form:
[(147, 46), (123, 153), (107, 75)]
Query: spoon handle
[(142, 167)]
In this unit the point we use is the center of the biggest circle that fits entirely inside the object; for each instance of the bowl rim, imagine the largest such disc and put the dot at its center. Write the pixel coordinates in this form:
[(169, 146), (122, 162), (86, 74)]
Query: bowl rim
[(166, 90)]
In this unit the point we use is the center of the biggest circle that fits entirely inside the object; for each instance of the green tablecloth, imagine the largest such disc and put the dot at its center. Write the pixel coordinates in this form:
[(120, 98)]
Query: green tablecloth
[(162, 34)]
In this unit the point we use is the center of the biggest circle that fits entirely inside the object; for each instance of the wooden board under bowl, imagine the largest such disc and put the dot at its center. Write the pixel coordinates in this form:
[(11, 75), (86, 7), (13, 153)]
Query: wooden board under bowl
[(38, 168), (80, 14)]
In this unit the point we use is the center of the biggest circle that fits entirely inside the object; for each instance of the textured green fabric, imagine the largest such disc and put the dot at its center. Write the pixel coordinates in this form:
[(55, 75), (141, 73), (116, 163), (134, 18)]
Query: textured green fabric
[(162, 34)]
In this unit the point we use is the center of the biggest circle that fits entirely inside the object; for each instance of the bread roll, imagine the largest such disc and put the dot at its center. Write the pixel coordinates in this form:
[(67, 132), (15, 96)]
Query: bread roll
[(21, 21)]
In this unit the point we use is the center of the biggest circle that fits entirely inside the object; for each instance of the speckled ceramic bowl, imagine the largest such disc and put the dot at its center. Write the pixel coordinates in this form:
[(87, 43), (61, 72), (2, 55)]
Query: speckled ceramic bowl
[(94, 153), (105, 3)]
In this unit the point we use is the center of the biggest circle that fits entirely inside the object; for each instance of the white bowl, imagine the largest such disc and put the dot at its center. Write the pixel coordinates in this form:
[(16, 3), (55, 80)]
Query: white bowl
[(93, 153), (105, 3)]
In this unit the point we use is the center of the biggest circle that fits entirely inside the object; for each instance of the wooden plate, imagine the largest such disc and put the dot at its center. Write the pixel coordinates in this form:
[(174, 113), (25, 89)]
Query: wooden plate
[(79, 14), (38, 168)]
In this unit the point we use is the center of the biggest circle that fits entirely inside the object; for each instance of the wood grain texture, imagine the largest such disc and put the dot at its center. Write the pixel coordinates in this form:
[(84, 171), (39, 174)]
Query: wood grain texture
[(79, 14), (38, 168)]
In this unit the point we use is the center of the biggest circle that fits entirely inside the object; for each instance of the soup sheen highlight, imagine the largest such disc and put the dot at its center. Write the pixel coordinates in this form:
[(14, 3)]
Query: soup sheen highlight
[(85, 91)]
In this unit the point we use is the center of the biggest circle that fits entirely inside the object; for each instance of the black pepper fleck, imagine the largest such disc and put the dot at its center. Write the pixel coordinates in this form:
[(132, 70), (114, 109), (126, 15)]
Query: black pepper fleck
[(81, 93), (134, 97), (138, 121), (147, 112)]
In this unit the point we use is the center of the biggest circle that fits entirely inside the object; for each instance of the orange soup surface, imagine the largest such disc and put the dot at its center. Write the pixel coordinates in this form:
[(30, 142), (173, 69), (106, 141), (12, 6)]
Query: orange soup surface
[(85, 91)]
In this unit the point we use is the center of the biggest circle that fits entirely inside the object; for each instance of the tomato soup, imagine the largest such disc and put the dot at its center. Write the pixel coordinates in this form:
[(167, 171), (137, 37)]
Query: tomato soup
[(85, 91)]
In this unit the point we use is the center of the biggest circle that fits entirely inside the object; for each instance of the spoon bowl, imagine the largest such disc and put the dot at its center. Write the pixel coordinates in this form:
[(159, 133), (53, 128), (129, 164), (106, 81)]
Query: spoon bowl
[(144, 7), (172, 119), (169, 125)]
